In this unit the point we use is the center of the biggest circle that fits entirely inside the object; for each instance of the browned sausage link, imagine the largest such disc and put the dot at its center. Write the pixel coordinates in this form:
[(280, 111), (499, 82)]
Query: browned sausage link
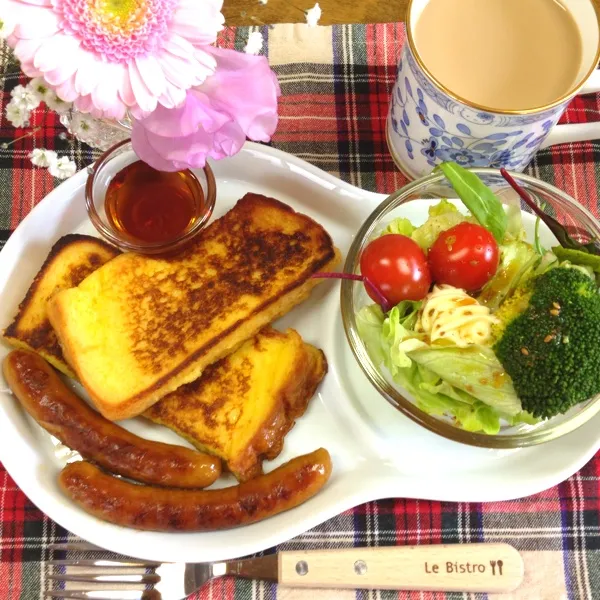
[(160, 509), (66, 416)]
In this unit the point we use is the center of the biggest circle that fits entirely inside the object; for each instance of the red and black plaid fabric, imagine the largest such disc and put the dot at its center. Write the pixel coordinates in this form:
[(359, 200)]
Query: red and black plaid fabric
[(335, 91)]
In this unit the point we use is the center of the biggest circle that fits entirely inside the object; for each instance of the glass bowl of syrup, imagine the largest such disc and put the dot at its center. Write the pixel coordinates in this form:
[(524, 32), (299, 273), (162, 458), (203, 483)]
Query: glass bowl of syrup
[(140, 209)]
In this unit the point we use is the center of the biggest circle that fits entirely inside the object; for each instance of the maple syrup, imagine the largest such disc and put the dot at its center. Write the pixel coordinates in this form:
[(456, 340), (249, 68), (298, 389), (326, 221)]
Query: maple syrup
[(153, 206)]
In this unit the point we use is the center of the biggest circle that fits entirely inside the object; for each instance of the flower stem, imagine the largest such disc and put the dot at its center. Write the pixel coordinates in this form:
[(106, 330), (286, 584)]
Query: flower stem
[(28, 134)]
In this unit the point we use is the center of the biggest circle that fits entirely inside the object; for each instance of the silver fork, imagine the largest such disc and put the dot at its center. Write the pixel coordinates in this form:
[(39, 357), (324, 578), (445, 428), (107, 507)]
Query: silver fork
[(146, 580), (426, 568)]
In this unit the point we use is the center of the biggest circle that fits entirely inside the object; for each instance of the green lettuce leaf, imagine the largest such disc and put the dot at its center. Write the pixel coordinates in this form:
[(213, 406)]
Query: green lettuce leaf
[(437, 397), (389, 337), (514, 225), (547, 262), (523, 417), (392, 342), (369, 323), (517, 260), (401, 225), (482, 417), (443, 207), (442, 216), (474, 370)]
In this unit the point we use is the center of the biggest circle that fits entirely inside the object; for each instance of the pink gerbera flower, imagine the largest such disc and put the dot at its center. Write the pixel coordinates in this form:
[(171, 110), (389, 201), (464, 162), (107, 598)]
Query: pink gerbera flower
[(108, 56)]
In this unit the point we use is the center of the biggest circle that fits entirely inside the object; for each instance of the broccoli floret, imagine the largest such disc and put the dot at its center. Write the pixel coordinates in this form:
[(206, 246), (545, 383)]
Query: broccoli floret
[(551, 350)]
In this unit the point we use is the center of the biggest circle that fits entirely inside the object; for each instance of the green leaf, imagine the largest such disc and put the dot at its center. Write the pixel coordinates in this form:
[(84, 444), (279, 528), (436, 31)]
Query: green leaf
[(399, 335), (401, 225), (391, 341), (442, 216), (514, 228), (475, 370), (437, 397), (369, 322), (389, 337), (523, 417), (441, 208), (536, 240), (484, 418), (478, 198), (517, 260), (560, 232)]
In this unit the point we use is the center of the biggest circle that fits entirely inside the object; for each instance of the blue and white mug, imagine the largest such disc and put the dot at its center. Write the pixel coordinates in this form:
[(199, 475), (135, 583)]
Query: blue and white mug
[(428, 125)]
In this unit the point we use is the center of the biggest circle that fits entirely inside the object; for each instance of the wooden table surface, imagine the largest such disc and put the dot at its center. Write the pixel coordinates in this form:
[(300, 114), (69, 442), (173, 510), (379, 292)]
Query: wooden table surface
[(253, 12)]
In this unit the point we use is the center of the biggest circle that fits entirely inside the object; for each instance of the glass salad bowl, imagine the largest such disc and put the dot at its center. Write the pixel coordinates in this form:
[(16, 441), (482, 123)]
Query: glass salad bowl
[(413, 202)]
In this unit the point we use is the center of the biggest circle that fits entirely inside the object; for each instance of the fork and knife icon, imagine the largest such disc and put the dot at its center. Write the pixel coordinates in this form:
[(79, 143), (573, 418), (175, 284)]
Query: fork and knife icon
[(499, 563)]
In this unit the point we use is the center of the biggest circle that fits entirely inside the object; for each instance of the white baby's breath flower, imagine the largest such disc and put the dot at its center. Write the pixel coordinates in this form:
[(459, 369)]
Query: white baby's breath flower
[(39, 87), (53, 102), (24, 97), (83, 126), (313, 15), (63, 168), (45, 93), (255, 43), (16, 114), (82, 123), (41, 157), (262, 1)]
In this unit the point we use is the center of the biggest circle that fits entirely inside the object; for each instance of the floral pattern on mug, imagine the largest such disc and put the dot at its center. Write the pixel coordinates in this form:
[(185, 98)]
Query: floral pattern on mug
[(429, 127)]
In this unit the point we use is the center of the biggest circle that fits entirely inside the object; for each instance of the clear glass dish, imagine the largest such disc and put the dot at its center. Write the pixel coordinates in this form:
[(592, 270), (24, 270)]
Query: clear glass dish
[(101, 174), (412, 201)]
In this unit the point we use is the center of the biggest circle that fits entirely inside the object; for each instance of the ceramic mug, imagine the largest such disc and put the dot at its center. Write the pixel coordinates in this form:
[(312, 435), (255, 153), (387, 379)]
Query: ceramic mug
[(428, 125)]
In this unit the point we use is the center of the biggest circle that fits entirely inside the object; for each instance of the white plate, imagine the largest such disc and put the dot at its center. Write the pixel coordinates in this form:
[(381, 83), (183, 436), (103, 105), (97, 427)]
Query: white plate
[(376, 451)]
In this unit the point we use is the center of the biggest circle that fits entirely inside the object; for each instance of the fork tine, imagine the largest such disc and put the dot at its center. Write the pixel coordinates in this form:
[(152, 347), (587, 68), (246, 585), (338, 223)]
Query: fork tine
[(91, 578), (100, 595), (104, 563), (75, 546)]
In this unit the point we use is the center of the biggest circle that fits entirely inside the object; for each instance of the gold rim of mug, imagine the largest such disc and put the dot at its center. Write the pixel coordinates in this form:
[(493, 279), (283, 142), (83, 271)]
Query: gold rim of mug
[(573, 92)]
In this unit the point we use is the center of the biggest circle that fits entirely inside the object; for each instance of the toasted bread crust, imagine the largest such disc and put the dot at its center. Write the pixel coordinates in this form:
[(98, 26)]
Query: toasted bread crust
[(228, 411), (262, 255), (41, 338)]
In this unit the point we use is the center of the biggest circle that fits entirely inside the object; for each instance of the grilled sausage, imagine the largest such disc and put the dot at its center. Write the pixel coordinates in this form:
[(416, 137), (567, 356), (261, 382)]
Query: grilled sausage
[(66, 416), (160, 509)]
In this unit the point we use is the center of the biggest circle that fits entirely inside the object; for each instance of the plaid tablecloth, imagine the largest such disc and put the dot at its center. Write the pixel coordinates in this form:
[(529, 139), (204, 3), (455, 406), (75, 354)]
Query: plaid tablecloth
[(336, 83)]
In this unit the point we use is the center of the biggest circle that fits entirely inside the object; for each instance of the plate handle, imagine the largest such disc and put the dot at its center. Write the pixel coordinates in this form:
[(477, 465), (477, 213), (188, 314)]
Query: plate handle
[(450, 567)]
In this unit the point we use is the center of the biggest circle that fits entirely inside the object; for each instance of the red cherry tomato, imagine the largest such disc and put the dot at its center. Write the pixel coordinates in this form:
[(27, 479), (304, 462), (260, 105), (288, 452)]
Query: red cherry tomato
[(397, 267), (465, 256)]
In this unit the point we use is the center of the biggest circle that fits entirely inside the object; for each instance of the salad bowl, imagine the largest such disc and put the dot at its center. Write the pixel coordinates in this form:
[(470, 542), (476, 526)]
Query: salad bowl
[(364, 321)]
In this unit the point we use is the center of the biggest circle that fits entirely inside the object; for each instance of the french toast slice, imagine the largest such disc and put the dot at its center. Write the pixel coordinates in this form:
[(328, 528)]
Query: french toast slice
[(72, 258), (140, 327), (241, 407)]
